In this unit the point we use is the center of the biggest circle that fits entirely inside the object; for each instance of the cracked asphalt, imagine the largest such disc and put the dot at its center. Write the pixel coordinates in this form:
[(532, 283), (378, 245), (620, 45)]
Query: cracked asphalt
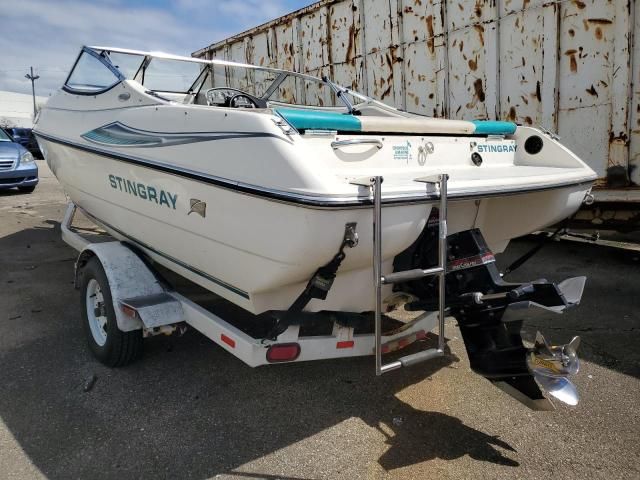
[(189, 410)]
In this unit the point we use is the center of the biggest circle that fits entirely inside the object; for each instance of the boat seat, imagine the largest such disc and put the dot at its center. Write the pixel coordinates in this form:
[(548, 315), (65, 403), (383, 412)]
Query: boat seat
[(307, 119)]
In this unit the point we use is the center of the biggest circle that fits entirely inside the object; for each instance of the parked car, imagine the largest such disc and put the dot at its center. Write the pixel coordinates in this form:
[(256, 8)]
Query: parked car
[(26, 138), (17, 166)]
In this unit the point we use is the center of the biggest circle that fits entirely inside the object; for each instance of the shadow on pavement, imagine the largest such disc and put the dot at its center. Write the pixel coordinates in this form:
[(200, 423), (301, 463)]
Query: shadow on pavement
[(188, 409), (9, 192), (420, 438)]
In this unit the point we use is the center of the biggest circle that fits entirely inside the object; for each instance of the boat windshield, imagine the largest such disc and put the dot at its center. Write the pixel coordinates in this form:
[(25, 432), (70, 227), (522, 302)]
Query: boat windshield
[(99, 68)]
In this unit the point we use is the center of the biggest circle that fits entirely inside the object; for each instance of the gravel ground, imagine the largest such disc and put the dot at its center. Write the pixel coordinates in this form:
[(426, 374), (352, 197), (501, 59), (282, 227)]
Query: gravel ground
[(189, 410)]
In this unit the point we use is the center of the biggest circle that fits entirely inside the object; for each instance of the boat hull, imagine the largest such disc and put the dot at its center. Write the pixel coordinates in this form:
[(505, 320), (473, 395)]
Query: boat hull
[(259, 253)]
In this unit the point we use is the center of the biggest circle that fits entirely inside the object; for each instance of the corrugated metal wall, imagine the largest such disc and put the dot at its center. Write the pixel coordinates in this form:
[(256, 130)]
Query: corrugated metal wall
[(568, 65)]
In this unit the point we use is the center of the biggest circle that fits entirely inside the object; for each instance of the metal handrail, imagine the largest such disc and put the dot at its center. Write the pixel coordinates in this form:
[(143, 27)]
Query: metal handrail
[(357, 141)]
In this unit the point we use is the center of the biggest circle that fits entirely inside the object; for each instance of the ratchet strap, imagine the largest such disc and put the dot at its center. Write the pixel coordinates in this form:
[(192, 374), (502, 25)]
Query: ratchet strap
[(319, 284)]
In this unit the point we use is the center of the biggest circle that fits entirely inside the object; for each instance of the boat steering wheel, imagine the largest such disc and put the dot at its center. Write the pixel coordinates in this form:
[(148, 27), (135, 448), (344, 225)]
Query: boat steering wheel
[(242, 100), (232, 97)]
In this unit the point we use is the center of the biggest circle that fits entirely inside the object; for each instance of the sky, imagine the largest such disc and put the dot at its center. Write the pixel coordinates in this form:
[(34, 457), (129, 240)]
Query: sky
[(48, 34)]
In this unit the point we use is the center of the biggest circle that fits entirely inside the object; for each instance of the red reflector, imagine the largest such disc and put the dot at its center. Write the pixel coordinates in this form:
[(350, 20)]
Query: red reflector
[(345, 344), (385, 348), (421, 334), (128, 311), (229, 341), (283, 352)]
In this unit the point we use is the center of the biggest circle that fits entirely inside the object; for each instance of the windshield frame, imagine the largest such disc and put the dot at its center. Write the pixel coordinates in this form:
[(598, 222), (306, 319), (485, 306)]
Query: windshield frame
[(102, 54), (102, 59), (7, 134)]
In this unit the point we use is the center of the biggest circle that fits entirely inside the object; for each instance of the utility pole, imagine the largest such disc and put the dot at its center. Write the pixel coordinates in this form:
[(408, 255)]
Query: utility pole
[(33, 79)]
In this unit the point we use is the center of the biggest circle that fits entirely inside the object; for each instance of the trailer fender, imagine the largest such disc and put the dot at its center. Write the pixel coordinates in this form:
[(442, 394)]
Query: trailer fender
[(129, 277)]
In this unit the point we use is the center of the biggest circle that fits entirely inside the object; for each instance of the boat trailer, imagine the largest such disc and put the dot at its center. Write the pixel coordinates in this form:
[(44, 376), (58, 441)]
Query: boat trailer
[(438, 273), (142, 300)]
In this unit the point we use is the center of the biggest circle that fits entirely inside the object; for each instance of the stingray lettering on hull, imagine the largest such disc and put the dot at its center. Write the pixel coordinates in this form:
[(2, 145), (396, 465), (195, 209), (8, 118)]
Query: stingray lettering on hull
[(144, 192), (499, 148)]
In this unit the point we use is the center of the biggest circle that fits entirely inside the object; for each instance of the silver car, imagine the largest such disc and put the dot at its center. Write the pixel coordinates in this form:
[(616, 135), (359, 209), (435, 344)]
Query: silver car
[(17, 166)]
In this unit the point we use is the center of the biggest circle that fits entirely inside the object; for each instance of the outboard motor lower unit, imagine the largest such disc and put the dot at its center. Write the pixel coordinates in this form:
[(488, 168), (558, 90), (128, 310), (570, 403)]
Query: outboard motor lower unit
[(491, 312)]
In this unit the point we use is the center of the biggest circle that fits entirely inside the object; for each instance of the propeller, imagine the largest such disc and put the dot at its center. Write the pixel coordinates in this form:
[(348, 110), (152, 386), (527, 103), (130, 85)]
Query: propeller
[(550, 366)]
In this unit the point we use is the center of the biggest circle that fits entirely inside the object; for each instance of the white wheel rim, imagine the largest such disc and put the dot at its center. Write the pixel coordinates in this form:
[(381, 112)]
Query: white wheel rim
[(96, 312)]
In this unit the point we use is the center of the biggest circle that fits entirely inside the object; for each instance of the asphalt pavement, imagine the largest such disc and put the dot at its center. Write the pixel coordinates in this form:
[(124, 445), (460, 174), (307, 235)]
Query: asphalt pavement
[(189, 410)]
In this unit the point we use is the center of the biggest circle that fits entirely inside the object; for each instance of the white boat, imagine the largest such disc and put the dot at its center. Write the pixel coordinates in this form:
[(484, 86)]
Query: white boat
[(262, 186), (240, 178)]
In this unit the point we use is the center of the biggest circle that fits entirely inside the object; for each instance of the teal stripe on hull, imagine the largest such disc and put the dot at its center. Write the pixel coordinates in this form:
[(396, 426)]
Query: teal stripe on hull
[(317, 120), (493, 127)]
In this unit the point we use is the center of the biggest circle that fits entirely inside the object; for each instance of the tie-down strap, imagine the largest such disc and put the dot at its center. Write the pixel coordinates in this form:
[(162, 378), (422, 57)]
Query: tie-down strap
[(319, 284)]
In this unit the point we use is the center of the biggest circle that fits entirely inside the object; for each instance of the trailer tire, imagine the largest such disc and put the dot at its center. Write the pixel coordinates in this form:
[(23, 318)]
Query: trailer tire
[(107, 342)]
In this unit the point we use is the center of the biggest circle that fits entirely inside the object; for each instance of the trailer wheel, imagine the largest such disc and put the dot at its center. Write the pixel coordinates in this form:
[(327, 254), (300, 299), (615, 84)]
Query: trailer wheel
[(107, 342)]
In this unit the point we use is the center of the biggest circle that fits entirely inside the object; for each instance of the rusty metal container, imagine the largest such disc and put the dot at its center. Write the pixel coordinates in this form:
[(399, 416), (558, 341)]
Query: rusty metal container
[(566, 65)]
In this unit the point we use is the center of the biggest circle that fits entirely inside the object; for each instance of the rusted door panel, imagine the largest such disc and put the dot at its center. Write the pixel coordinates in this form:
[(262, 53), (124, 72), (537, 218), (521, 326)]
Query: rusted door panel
[(383, 61), (621, 31), (262, 52), (313, 40), (472, 58), (238, 78), (345, 44), (521, 64), (424, 63), (425, 57), (315, 56), (581, 131), (634, 130), (467, 75), (586, 61), (286, 46)]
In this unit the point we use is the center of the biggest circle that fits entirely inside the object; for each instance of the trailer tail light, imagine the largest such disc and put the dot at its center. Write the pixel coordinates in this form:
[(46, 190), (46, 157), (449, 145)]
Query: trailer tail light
[(283, 352), (345, 344), (228, 340)]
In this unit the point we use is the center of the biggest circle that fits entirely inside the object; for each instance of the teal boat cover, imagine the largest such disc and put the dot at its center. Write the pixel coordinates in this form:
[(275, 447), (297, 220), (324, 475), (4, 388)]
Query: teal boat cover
[(318, 120), (303, 119), (493, 127)]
